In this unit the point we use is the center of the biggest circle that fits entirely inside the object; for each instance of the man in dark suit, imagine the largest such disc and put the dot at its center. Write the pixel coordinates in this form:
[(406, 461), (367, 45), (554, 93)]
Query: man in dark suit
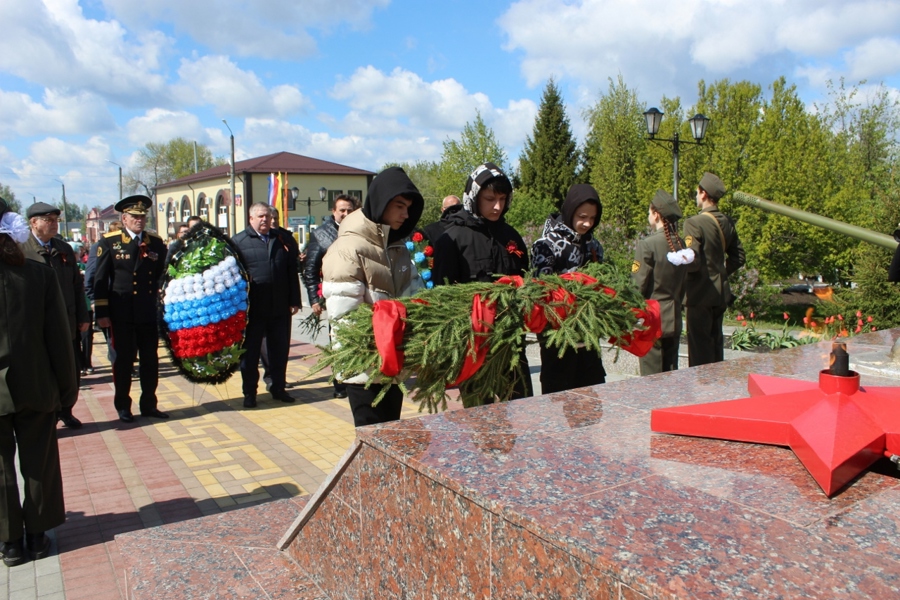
[(271, 261), (126, 287), (45, 247), (434, 230)]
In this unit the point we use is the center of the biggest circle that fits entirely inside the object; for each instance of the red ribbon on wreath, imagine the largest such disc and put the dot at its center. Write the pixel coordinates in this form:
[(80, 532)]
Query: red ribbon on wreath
[(639, 343), (388, 325), (483, 314)]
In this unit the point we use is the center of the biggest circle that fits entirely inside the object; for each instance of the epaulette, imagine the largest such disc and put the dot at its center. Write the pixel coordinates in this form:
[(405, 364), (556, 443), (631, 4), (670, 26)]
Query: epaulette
[(112, 234), (153, 235)]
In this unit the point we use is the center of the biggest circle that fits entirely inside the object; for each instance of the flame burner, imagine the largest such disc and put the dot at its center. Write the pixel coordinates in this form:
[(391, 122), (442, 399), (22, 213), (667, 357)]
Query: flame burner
[(839, 362)]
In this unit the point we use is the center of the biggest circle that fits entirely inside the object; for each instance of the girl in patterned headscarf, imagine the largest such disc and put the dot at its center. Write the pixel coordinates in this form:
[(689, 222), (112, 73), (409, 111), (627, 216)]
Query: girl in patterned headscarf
[(565, 245)]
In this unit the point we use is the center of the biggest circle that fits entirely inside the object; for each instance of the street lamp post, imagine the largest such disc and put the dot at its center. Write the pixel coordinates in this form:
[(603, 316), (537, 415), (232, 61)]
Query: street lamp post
[(322, 192), (120, 176), (231, 222), (698, 123)]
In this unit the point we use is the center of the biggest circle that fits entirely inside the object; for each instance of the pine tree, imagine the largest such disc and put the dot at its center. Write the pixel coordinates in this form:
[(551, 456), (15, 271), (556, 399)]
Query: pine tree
[(550, 159)]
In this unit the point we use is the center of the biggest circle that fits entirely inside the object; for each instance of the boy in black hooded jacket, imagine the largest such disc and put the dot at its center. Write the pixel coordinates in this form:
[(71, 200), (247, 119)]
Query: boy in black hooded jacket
[(479, 245)]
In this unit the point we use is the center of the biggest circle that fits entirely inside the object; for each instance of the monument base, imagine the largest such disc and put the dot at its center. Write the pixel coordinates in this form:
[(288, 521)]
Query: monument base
[(570, 495)]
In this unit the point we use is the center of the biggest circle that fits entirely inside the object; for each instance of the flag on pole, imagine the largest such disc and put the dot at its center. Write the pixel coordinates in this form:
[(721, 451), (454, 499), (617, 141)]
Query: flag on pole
[(284, 200), (273, 189)]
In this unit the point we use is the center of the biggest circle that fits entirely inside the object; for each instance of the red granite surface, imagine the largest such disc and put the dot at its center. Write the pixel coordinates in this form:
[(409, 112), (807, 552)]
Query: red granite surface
[(570, 495)]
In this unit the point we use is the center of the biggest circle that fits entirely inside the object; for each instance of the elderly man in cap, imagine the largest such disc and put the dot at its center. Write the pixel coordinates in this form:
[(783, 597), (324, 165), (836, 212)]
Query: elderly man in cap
[(44, 247), (38, 379), (713, 237), (126, 287)]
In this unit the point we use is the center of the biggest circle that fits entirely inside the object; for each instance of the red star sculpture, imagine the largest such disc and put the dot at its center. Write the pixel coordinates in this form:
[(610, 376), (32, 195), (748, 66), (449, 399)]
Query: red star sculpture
[(836, 428)]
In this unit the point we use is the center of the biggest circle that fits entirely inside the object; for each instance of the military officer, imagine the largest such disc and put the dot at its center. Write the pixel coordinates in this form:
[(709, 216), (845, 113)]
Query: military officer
[(661, 278), (126, 286), (45, 247), (712, 235)]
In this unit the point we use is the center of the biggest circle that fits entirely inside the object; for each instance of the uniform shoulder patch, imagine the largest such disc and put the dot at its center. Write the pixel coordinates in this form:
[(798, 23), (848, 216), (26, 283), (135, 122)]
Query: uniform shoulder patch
[(99, 251), (635, 267), (688, 240)]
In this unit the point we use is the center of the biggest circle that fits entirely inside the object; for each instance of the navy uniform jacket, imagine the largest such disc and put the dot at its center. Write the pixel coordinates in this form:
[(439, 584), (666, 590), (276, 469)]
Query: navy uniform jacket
[(126, 282)]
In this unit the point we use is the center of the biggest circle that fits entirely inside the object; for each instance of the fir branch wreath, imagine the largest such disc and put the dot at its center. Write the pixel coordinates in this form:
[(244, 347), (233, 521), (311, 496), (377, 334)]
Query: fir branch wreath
[(470, 335)]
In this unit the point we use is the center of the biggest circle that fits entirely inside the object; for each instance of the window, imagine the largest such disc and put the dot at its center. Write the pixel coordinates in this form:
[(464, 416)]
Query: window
[(332, 194)]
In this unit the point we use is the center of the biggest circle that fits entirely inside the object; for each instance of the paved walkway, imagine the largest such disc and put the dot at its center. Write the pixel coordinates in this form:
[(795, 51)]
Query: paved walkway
[(212, 455)]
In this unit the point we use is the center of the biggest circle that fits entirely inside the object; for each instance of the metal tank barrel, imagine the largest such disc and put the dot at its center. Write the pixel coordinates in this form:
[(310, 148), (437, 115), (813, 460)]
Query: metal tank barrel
[(860, 233)]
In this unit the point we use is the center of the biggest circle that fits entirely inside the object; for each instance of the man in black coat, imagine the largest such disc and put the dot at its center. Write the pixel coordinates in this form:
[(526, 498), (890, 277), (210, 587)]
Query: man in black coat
[(45, 247), (433, 231), (274, 299), (126, 290), (319, 241)]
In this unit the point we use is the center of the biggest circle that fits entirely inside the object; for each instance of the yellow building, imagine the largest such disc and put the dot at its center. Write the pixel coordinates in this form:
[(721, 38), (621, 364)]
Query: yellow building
[(207, 194)]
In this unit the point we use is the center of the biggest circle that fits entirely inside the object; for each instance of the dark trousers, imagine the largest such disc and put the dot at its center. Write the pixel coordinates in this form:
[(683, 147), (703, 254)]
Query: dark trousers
[(125, 338), (662, 357), (704, 334), (86, 346), (576, 368), (43, 508), (361, 404), (79, 364), (276, 331)]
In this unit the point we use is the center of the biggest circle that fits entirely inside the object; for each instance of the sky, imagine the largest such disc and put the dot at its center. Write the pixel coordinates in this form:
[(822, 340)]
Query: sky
[(85, 84)]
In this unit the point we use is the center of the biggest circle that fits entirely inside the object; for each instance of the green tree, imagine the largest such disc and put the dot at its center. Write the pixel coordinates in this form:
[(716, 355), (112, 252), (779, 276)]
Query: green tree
[(550, 158), (158, 163), (7, 194), (789, 162), (476, 144), (614, 152), (426, 175)]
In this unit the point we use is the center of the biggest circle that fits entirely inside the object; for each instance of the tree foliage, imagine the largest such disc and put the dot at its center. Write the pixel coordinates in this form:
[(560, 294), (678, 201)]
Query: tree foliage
[(549, 160), (477, 144), (159, 163), (7, 194)]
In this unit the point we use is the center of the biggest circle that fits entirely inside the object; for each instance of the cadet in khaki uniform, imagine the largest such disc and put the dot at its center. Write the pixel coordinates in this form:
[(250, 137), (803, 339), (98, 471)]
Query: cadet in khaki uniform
[(713, 237), (658, 271), (126, 288)]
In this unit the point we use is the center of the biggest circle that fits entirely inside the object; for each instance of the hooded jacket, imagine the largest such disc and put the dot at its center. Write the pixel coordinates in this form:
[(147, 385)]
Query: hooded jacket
[(560, 249), (473, 248), (369, 261)]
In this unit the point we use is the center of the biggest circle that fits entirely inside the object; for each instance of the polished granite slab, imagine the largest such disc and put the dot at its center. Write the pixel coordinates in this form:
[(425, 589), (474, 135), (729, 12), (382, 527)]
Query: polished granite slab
[(231, 555), (571, 495)]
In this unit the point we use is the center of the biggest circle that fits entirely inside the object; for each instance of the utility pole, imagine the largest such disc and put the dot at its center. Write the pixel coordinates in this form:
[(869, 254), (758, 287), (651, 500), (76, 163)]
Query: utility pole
[(65, 210), (231, 222), (120, 176)]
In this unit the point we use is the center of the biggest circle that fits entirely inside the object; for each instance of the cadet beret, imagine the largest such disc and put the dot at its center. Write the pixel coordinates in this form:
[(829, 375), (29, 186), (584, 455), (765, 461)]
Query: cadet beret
[(41, 208), (134, 205), (666, 205), (712, 185)]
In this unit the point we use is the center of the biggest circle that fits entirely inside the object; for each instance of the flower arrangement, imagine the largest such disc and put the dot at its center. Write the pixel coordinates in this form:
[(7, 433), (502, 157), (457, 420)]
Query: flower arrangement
[(423, 257), (814, 330), (204, 306)]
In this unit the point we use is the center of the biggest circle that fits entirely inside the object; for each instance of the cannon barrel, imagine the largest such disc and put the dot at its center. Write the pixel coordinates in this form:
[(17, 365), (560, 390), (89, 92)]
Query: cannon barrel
[(860, 233)]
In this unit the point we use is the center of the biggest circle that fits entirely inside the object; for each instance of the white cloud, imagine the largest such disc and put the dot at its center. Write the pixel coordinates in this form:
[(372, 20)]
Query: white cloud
[(161, 125), (54, 45), (270, 29), (874, 59), (217, 81), (58, 114), (670, 45)]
